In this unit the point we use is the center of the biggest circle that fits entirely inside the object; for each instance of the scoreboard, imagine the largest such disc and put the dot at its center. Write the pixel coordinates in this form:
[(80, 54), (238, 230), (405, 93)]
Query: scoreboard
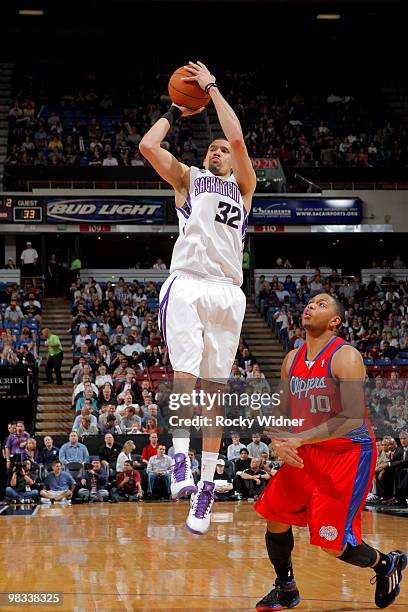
[(21, 210)]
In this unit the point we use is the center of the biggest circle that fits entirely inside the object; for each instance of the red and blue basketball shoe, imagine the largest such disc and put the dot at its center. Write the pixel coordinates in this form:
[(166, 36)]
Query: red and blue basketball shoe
[(284, 595), (387, 587)]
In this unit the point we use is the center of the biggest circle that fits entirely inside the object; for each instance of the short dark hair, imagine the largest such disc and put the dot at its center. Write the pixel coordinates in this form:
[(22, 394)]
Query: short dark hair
[(54, 463), (244, 450), (339, 308)]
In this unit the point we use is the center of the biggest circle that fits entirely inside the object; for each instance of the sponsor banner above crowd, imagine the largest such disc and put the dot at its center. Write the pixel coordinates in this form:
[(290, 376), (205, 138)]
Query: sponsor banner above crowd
[(306, 211), (102, 210)]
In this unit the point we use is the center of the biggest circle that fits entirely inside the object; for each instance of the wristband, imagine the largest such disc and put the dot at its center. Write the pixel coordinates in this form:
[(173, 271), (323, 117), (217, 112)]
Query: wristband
[(209, 85), (172, 115)]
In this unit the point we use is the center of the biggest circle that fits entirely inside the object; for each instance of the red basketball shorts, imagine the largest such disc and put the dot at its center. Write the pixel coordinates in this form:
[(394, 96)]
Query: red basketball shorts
[(327, 495)]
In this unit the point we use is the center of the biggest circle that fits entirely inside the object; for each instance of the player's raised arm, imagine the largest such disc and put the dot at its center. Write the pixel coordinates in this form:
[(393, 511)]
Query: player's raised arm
[(241, 162), (165, 164)]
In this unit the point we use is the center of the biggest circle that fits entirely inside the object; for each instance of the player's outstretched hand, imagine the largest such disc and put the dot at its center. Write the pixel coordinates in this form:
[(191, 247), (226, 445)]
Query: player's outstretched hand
[(187, 112), (291, 457), (286, 451), (199, 73)]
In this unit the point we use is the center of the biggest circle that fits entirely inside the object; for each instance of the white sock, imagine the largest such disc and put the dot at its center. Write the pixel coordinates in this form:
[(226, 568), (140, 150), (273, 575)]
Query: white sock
[(208, 463), (181, 441)]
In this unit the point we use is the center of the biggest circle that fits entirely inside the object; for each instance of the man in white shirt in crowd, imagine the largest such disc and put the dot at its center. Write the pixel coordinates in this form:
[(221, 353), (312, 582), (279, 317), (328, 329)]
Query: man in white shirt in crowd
[(159, 466), (110, 160), (234, 449), (29, 258)]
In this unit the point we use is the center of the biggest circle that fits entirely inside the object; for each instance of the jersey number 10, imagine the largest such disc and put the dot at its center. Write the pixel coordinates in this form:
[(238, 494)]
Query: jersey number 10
[(319, 403), (228, 214)]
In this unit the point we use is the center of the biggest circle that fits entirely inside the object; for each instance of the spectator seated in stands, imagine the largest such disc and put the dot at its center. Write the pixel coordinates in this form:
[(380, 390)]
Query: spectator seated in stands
[(125, 455), (86, 428), (150, 426), (85, 412), (103, 377), (241, 464), (31, 309), (13, 313), (234, 449), (80, 388), (94, 482), (105, 410), (73, 451), (129, 385), (128, 484), (8, 357), (151, 449), (395, 472), (106, 395), (195, 466), (31, 451), (109, 452), (49, 453), (20, 484), (87, 395), (25, 357), (111, 426), (159, 467), (256, 447), (255, 479), (223, 482), (130, 420), (153, 412), (59, 485)]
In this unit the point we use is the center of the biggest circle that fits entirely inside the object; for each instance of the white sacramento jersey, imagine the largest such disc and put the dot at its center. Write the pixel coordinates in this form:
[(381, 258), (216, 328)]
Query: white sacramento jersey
[(213, 223)]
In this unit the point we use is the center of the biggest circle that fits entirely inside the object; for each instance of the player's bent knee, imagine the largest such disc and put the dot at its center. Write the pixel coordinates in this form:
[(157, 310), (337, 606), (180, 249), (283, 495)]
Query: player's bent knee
[(276, 527)]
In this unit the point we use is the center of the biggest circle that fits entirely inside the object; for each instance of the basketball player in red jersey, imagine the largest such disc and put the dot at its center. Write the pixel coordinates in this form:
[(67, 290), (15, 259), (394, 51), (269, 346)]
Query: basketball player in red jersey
[(328, 466)]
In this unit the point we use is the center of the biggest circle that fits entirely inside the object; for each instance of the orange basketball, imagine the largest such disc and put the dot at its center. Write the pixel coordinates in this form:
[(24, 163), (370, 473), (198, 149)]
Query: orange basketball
[(188, 94)]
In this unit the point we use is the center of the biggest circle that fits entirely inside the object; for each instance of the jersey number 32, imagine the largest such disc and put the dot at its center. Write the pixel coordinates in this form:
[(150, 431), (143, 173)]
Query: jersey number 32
[(228, 214)]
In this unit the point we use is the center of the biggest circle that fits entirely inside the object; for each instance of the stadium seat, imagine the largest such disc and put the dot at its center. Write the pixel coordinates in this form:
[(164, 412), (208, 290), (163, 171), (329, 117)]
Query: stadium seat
[(75, 468), (157, 370), (30, 323)]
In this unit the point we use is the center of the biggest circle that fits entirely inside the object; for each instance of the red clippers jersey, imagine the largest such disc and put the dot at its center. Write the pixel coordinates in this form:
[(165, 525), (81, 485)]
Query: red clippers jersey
[(314, 395)]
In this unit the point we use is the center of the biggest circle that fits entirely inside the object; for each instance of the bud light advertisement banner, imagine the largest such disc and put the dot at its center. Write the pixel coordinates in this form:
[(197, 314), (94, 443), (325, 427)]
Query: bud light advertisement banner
[(306, 211), (138, 210)]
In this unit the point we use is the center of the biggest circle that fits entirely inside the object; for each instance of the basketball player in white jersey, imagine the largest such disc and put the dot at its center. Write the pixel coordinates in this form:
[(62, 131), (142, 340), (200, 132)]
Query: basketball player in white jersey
[(201, 304)]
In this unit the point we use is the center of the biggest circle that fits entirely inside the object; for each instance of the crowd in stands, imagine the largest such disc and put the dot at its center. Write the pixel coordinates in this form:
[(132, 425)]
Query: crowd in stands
[(69, 473), (98, 119), (20, 318), (376, 323), (90, 120), (121, 369)]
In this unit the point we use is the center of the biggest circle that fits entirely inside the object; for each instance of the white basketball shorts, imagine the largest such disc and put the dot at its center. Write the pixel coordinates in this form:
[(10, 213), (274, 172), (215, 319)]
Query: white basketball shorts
[(201, 320)]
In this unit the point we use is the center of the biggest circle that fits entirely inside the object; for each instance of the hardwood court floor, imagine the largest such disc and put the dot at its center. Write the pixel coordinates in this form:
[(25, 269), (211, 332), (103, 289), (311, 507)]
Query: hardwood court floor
[(131, 556)]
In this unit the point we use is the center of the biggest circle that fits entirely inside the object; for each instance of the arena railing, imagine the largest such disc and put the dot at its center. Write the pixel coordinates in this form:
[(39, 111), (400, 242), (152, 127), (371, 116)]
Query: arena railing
[(295, 273), (30, 184), (10, 276), (129, 275), (399, 274)]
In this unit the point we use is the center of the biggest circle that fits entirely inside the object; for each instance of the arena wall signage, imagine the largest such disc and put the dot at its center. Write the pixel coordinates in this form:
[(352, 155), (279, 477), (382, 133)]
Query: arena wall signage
[(14, 383), (307, 211), (105, 210)]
